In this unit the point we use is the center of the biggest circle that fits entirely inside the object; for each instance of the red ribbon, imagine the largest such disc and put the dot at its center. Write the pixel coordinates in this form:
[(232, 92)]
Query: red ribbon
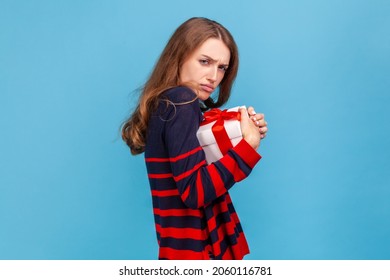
[(218, 129)]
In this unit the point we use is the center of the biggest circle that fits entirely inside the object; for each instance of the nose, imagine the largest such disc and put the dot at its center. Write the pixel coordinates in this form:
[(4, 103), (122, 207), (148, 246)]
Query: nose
[(213, 74)]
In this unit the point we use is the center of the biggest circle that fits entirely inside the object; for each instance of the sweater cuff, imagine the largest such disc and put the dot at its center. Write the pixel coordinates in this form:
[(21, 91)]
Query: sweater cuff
[(247, 153)]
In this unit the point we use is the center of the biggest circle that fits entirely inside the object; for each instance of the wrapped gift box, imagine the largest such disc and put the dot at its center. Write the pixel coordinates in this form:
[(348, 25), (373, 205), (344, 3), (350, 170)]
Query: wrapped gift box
[(207, 138)]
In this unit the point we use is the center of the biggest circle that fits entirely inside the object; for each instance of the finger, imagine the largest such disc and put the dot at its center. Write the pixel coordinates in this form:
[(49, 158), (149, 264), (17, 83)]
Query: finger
[(260, 123), (251, 111), (259, 116), (256, 122), (244, 113), (263, 129)]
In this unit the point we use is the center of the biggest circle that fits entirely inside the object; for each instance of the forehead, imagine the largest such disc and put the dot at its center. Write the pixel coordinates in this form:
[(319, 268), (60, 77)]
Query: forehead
[(215, 49)]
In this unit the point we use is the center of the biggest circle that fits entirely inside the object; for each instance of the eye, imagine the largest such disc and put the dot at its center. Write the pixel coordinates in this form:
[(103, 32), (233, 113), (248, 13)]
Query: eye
[(223, 68), (204, 61)]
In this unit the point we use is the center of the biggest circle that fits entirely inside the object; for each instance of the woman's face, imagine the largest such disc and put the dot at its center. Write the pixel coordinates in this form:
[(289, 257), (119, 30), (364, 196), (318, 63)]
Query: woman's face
[(206, 67)]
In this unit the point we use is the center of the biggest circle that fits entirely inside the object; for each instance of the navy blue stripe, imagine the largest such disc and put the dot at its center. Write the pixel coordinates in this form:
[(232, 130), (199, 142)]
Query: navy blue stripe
[(183, 243), (181, 222), (168, 202)]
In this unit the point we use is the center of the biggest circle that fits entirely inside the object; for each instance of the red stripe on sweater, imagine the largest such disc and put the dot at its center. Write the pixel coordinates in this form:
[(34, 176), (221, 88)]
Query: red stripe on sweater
[(233, 168), (177, 212), (237, 251), (160, 176), (186, 193), (199, 189), (173, 254), (189, 172), (218, 208), (193, 233), (222, 232), (212, 224), (165, 193), (228, 199), (174, 159), (218, 184), (233, 215)]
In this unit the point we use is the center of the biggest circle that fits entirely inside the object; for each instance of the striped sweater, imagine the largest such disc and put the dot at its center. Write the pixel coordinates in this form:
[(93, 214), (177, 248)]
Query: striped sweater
[(193, 212)]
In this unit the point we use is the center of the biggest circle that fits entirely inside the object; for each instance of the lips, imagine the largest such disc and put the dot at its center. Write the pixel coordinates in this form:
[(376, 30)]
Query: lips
[(207, 88)]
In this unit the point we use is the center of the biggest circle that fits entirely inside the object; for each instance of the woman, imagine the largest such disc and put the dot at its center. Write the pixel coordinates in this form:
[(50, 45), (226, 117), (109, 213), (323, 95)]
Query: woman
[(194, 214)]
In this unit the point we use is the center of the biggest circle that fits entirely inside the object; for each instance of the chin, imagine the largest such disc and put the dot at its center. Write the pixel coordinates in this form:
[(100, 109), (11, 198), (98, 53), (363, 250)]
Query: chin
[(204, 95), (203, 98)]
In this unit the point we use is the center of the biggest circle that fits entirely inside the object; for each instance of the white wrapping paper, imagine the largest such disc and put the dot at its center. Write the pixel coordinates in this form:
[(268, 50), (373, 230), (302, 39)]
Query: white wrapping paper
[(207, 140)]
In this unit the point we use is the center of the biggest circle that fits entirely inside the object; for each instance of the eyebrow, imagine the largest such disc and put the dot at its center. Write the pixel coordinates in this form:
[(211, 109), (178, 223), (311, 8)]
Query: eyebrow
[(212, 59)]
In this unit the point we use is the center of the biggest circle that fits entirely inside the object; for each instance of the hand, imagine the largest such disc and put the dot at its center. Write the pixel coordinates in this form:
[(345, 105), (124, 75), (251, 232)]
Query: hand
[(250, 132), (259, 121)]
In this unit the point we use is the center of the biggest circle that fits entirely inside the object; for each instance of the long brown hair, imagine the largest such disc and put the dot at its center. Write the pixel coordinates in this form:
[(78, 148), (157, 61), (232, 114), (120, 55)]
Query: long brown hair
[(184, 41)]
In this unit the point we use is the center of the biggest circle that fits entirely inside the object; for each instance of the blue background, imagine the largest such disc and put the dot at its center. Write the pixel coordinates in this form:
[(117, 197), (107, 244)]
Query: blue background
[(319, 70)]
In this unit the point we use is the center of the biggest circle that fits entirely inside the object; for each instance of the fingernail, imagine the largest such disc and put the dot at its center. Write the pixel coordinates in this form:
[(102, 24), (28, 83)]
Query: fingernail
[(257, 123)]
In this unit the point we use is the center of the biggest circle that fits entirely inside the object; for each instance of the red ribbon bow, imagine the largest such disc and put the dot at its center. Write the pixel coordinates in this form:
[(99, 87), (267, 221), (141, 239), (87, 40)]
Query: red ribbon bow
[(218, 129)]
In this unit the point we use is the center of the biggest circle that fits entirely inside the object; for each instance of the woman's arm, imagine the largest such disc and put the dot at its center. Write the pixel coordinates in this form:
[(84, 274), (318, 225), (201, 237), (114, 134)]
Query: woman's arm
[(197, 182)]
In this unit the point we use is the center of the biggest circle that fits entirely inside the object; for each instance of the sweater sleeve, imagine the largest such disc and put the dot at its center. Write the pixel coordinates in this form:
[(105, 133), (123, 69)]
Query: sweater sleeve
[(197, 182)]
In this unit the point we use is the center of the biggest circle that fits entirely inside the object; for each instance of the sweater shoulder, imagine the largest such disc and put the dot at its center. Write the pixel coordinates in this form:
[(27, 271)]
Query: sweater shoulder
[(179, 102), (180, 94)]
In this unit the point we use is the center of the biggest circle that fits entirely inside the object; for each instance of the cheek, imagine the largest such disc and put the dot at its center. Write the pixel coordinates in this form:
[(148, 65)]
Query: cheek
[(191, 74), (220, 78), (186, 73)]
